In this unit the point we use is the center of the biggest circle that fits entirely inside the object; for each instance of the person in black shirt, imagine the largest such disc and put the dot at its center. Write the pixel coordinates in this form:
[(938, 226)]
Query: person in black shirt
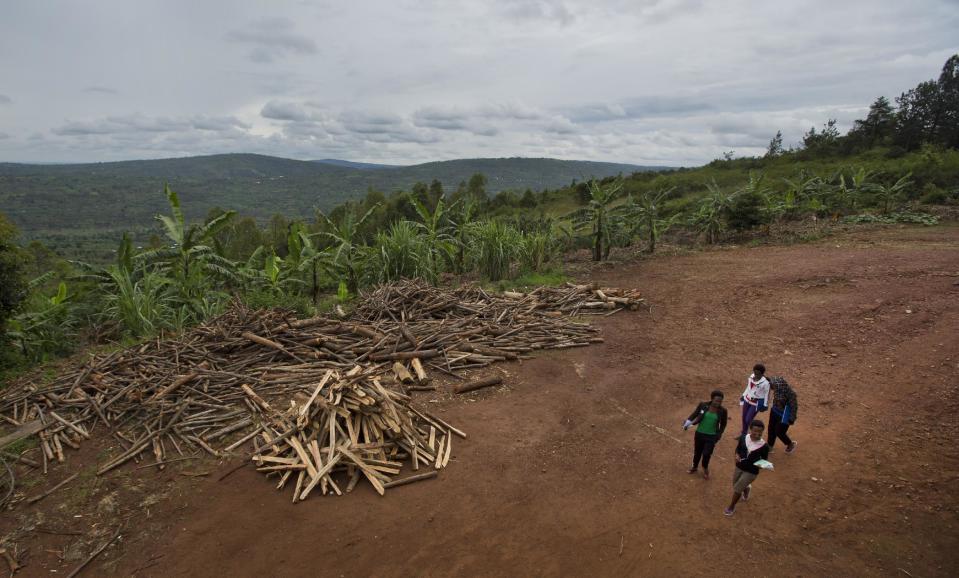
[(785, 407), (751, 448), (710, 417)]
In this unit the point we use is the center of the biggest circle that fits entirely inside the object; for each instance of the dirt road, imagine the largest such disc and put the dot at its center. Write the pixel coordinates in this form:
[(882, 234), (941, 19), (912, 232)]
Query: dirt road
[(578, 466)]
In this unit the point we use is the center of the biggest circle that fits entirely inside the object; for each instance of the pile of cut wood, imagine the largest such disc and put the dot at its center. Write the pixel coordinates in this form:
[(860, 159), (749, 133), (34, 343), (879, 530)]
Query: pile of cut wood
[(310, 397), (414, 300), (354, 425)]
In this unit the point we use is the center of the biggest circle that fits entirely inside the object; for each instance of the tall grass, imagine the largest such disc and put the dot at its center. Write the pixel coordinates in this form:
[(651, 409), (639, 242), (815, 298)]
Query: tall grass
[(537, 249), (398, 253), (495, 247)]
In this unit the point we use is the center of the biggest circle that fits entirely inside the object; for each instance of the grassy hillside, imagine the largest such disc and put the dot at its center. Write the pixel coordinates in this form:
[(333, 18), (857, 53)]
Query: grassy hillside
[(933, 172), (74, 207)]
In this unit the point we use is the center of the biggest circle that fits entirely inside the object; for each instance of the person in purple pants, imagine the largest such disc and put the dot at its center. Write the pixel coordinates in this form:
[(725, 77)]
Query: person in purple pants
[(755, 398)]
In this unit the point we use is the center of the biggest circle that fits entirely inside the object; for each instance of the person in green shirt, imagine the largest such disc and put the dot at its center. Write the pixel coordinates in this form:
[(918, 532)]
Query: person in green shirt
[(710, 419)]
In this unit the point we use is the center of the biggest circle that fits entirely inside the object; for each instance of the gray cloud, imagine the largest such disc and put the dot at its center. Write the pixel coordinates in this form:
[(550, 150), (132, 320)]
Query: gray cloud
[(635, 108), (100, 90), (272, 39), (486, 120), (278, 110), (303, 120), (4, 99), (449, 119), (218, 123), (119, 125), (139, 124), (540, 10)]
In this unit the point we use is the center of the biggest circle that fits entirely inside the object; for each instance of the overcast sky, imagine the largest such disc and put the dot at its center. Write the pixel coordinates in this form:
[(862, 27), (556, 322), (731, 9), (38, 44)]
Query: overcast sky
[(674, 82)]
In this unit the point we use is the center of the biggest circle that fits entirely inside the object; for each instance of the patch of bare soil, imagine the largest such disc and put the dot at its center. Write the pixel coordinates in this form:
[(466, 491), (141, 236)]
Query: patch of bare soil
[(577, 466)]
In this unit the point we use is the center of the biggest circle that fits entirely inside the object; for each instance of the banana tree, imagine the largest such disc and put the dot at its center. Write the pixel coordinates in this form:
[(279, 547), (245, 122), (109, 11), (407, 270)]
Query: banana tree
[(305, 257), (647, 213), (888, 195), (800, 193), (347, 251), (277, 277), (845, 195), (710, 216), (598, 216), (439, 242), (462, 213), (45, 325), (190, 260)]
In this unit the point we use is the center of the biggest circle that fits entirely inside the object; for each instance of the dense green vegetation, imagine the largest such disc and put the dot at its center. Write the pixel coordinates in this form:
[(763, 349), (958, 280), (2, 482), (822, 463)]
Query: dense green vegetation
[(80, 210), (879, 172)]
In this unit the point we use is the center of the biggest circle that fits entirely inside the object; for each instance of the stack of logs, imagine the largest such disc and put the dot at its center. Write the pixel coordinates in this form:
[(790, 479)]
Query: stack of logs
[(354, 425), (310, 397)]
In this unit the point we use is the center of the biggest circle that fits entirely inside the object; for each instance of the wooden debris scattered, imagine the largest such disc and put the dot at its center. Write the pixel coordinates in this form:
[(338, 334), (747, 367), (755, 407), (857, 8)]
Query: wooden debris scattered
[(11, 561), (66, 481), (95, 553), (317, 402)]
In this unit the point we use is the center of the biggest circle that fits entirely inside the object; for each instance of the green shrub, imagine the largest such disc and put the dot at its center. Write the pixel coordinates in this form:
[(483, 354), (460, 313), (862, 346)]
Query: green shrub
[(266, 299), (12, 284), (746, 211), (45, 327), (140, 307), (896, 152), (933, 195)]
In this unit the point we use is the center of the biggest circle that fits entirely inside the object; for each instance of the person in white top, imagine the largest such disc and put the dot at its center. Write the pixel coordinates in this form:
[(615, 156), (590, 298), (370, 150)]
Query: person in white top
[(756, 396)]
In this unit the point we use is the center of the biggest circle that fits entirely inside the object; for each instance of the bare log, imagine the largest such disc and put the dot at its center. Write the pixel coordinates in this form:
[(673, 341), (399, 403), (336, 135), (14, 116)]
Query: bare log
[(411, 479), (478, 384)]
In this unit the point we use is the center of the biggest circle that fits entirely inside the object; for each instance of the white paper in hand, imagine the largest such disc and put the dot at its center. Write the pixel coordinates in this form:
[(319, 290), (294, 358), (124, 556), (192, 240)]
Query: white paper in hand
[(766, 465)]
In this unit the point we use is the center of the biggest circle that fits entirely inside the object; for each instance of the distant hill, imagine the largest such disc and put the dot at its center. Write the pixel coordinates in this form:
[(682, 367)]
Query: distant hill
[(355, 165), (120, 195)]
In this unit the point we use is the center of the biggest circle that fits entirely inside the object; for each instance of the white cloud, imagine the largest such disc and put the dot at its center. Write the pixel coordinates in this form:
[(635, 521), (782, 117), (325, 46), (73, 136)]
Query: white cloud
[(644, 81)]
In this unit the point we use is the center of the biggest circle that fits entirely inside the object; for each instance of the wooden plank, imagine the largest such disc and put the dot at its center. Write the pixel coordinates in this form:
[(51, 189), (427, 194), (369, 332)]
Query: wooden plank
[(320, 475), (306, 407), (449, 448), (417, 366), (402, 374), (410, 479), (369, 473), (405, 355), (26, 430), (301, 453)]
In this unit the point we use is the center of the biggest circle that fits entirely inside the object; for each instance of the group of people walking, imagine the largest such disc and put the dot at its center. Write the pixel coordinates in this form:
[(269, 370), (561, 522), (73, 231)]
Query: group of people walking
[(752, 451)]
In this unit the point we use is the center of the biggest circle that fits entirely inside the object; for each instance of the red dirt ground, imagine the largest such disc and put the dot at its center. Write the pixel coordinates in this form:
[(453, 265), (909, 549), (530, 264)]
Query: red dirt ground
[(578, 465)]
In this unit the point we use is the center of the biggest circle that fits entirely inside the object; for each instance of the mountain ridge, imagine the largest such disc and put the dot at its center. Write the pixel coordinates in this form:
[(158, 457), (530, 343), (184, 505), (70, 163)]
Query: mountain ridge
[(99, 199)]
